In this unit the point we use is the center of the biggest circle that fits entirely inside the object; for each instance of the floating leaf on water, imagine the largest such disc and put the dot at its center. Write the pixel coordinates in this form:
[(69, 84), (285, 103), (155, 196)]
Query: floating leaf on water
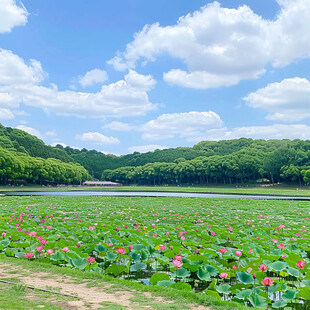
[(159, 277), (245, 277)]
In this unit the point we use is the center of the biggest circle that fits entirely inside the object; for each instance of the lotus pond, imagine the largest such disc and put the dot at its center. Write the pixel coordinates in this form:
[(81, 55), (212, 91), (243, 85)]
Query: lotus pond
[(254, 252)]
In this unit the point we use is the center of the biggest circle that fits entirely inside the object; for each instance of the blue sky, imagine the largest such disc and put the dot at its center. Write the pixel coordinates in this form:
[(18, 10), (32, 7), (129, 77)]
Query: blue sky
[(124, 76)]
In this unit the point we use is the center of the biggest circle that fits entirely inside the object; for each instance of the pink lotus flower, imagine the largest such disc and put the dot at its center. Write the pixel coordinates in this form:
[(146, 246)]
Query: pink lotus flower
[(262, 267), (65, 249), (32, 234), (109, 244), (39, 248), (267, 281), (118, 229), (300, 264), (182, 238), (49, 251), (250, 251), (213, 233), (274, 240), (120, 250), (43, 241), (78, 244), (197, 251), (234, 267), (28, 255), (281, 246), (178, 257), (177, 263), (90, 260), (130, 247), (230, 228), (254, 275), (91, 228), (223, 275), (238, 253), (162, 247), (3, 234), (222, 250)]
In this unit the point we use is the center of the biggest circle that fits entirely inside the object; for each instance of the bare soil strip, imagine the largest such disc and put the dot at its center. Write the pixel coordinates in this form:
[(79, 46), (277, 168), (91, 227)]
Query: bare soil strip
[(89, 298)]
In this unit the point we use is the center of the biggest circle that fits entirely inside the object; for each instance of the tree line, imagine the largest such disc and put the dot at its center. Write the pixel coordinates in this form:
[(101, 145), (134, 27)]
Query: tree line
[(226, 161), (250, 164), (20, 168)]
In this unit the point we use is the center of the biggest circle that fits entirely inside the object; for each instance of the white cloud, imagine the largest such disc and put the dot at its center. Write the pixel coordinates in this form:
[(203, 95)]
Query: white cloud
[(288, 100), (19, 83), (7, 101), (184, 125), (119, 126), (6, 114), (139, 81), (30, 130), (146, 148), (65, 145), (92, 77), (97, 138), (11, 15), (289, 33), (222, 46), (14, 71), (275, 131), (199, 79)]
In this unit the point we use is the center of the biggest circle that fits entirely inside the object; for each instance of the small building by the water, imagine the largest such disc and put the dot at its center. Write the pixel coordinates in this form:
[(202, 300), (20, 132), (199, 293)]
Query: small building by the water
[(101, 183)]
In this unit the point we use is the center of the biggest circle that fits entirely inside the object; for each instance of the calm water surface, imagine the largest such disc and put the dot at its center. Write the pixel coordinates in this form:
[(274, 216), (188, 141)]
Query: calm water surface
[(152, 194)]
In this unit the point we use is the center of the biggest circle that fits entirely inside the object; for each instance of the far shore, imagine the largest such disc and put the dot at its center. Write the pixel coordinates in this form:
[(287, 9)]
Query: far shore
[(265, 189)]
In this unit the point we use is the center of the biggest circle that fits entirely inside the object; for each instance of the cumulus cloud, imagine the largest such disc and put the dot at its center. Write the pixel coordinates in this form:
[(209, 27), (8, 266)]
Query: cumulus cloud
[(198, 79), (65, 145), (14, 70), (19, 83), (222, 46), (275, 131), (30, 130), (6, 114), (119, 126), (93, 77), (12, 15), (288, 100), (97, 138), (184, 125), (146, 148)]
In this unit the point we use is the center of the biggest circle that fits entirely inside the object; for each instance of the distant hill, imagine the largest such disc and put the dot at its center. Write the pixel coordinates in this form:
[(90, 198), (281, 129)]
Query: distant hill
[(18, 140), (26, 159), (223, 161)]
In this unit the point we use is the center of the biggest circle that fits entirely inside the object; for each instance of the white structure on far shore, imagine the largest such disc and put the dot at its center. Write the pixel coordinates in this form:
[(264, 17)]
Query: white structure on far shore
[(101, 183)]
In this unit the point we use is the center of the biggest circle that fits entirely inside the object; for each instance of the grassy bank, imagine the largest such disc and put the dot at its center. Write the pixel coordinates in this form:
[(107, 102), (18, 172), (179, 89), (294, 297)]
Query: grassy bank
[(284, 190)]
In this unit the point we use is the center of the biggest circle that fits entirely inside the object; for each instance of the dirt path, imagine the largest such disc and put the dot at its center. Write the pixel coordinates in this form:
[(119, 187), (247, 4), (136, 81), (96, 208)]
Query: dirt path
[(88, 298)]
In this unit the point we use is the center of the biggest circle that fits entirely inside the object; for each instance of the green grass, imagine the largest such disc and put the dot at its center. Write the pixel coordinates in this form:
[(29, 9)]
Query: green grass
[(14, 297), (179, 297), (285, 190)]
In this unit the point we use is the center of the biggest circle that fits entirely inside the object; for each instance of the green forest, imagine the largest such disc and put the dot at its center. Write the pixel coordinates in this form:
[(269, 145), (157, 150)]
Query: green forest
[(25, 159)]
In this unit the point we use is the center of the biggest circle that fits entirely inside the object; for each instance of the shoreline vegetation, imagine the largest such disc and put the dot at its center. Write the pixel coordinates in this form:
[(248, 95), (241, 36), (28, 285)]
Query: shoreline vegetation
[(270, 190)]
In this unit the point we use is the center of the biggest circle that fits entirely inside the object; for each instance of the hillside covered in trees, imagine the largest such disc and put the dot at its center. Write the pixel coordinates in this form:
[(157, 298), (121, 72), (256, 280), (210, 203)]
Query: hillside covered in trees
[(229, 161), (25, 158)]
